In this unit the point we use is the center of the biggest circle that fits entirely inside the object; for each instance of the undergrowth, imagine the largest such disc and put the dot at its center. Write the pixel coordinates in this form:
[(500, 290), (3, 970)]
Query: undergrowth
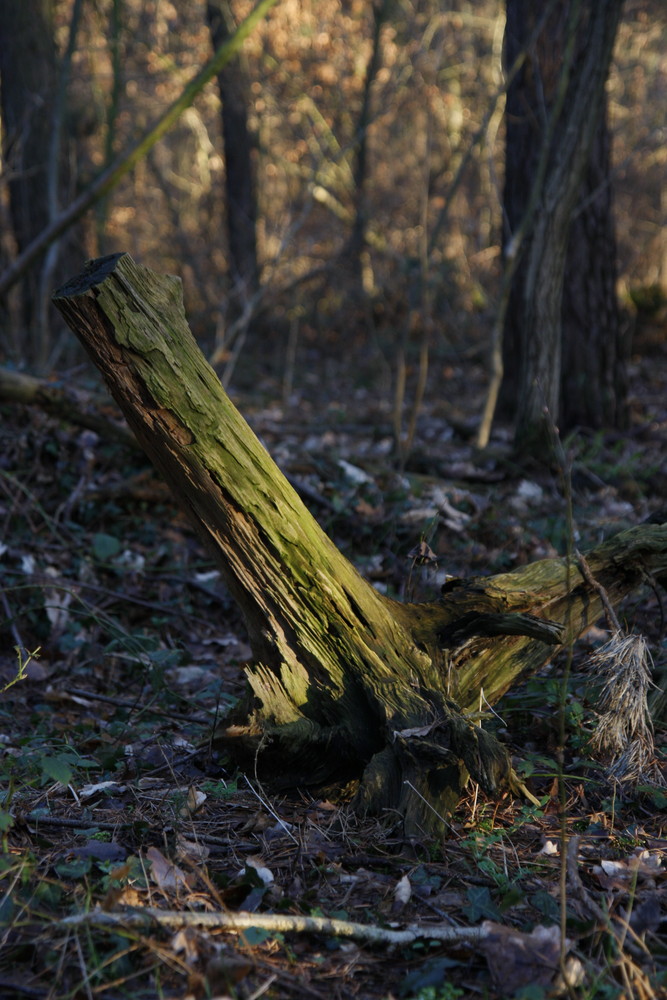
[(120, 652)]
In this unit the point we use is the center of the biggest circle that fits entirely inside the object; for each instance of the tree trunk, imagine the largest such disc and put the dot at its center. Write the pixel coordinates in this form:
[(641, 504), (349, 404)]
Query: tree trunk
[(356, 245), (345, 682), (240, 186), (562, 324), (27, 91), (593, 390)]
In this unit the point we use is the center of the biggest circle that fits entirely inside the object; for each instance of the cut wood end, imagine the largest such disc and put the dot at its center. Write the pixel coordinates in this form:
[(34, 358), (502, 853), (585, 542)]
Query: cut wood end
[(94, 273)]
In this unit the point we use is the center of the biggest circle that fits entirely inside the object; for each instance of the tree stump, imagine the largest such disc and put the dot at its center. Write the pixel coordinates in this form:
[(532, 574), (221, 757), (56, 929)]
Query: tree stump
[(345, 682)]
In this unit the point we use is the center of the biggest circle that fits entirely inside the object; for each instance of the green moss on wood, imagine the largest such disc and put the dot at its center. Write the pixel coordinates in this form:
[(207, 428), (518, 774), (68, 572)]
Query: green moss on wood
[(344, 680)]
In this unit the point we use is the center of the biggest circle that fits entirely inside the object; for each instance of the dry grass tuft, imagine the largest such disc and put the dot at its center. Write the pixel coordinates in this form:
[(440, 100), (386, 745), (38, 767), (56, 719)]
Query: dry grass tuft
[(624, 735)]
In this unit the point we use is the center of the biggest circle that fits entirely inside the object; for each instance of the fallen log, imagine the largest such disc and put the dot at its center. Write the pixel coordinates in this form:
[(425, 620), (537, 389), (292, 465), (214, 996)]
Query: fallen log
[(345, 682), (60, 401)]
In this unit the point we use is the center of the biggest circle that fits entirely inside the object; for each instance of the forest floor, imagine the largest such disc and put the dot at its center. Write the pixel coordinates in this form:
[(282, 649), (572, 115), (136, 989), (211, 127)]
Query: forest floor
[(115, 799)]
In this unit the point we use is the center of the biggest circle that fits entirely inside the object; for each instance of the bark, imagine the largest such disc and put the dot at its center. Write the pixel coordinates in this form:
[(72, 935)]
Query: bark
[(345, 682), (562, 327), (357, 241), (27, 91), (594, 382), (240, 182)]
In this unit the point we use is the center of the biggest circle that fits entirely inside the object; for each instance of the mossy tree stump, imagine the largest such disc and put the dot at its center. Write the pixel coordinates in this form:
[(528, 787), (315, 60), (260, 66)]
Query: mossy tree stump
[(345, 682)]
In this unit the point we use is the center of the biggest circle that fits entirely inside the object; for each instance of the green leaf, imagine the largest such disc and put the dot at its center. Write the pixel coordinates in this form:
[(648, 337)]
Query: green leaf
[(252, 936), (531, 992), (76, 868), (545, 904), (654, 793), (513, 896), (105, 547), (56, 768), (480, 904), (433, 973), (86, 762)]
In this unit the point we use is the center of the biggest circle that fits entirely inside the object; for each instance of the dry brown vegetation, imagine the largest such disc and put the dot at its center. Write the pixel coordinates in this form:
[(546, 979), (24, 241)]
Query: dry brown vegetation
[(434, 247)]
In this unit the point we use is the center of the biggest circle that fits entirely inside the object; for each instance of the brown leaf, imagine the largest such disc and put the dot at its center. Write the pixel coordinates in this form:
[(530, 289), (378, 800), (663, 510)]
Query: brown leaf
[(224, 971), (516, 959), (166, 875), (193, 802), (186, 942), (191, 850)]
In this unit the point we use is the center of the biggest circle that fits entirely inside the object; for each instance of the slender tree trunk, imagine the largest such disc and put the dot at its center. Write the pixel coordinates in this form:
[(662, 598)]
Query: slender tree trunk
[(357, 241), (345, 682), (27, 92), (561, 315), (240, 179), (595, 349)]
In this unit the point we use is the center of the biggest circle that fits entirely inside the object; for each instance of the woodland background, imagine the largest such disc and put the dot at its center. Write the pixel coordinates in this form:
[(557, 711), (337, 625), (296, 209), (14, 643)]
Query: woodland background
[(139, 647), (433, 252)]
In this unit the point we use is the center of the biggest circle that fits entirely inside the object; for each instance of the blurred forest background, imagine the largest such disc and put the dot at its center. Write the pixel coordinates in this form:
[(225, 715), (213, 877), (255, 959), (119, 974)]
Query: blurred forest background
[(348, 204)]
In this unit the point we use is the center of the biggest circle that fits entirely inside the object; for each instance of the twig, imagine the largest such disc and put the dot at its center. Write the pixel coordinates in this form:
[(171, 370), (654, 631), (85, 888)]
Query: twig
[(278, 922), (18, 641), (604, 597), (134, 704), (518, 786), (265, 803), (56, 398), (73, 586), (73, 824), (17, 989), (85, 975), (576, 886)]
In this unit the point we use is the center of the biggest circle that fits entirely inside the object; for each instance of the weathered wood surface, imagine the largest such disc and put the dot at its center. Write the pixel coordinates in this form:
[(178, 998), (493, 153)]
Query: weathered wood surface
[(345, 682)]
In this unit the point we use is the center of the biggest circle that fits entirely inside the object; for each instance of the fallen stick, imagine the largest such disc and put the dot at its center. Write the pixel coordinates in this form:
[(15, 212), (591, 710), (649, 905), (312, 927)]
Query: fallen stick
[(278, 922)]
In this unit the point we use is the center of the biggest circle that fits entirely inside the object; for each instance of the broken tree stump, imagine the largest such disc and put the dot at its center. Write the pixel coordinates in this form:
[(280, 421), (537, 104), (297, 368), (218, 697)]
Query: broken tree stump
[(345, 682)]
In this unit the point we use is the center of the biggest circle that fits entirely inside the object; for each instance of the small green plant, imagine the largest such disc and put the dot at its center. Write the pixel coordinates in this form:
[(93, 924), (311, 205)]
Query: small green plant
[(24, 657), (6, 822), (43, 761), (445, 992), (220, 789), (617, 462)]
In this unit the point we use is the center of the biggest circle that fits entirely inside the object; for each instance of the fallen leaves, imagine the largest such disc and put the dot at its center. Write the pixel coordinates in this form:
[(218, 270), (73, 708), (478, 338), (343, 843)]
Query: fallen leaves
[(166, 875), (225, 885), (517, 959)]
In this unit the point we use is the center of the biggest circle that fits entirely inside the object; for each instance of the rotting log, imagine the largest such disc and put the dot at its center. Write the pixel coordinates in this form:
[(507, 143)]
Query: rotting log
[(345, 682), (60, 401)]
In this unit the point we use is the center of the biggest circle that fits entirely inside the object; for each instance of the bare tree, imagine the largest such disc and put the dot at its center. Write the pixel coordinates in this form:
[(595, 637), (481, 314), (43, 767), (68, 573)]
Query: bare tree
[(562, 341), (240, 179), (28, 74)]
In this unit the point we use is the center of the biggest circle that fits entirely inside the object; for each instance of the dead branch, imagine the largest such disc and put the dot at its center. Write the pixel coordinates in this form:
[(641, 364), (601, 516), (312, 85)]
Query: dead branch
[(279, 923)]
